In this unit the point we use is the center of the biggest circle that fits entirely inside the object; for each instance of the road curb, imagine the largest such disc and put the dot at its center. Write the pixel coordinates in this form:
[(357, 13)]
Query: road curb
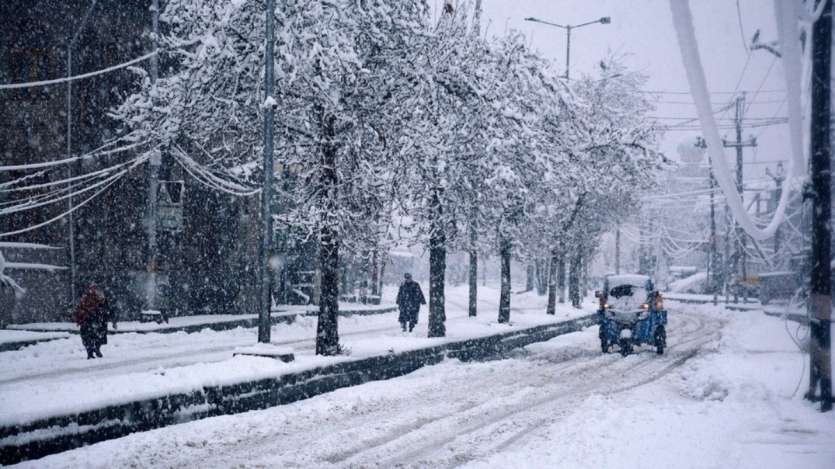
[(52, 435), (17, 345)]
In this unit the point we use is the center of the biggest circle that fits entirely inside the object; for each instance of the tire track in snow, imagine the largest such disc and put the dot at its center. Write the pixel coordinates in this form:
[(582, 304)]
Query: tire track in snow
[(437, 441)]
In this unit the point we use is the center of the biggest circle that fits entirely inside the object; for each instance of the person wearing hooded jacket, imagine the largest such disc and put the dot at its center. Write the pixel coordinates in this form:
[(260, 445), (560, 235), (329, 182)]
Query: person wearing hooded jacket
[(92, 315), (409, 299)]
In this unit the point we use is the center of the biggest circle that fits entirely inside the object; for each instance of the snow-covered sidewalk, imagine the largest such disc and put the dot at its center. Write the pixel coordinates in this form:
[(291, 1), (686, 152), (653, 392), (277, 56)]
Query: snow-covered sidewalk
[(138, 366), (723, 396)]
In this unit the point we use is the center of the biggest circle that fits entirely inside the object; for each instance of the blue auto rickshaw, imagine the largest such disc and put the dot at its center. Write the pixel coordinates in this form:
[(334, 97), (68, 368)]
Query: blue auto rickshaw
[(631, 314)]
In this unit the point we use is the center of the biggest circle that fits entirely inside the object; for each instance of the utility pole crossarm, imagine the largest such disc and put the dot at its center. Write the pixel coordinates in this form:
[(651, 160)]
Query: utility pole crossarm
[(751, 142)]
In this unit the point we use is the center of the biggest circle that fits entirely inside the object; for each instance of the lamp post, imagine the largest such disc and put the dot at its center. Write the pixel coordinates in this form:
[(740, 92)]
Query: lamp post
[(153, 183), (266, 192), (568, 28), (70, 216)]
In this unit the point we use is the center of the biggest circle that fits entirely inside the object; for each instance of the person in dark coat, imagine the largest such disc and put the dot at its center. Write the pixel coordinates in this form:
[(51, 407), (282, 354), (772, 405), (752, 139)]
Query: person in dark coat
[(92, 315), (409, 299)]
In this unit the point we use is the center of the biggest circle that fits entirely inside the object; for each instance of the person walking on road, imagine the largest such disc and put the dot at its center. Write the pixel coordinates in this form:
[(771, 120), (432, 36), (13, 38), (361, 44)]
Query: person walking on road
[(409, 299), (92, 315)]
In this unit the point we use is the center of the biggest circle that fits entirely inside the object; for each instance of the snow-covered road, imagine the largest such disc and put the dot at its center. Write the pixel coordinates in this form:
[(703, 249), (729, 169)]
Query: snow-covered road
[(555, 404), (721, 396)]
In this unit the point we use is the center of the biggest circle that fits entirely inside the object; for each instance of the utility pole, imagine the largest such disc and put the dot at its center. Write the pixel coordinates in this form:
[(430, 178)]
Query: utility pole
[(778, 176), (567, 50), (617, 250), (714, 254), (739, 145), (70, 209), (473, 268), (727, 245), (820, 288), (266, 191), (477, 19), (153, 182)]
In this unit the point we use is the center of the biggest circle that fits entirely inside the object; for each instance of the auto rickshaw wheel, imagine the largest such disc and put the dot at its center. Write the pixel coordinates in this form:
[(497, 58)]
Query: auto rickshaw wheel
[(625, 347), (660, 340)]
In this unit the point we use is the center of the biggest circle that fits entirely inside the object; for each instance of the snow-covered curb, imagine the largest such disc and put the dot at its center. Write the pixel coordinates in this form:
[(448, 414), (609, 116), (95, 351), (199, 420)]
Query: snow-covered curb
[(14, 340)]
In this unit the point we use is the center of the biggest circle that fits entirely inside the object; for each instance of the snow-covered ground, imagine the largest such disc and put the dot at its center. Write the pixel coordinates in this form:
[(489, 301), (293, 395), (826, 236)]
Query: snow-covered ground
[(723, 395), (137, 366)]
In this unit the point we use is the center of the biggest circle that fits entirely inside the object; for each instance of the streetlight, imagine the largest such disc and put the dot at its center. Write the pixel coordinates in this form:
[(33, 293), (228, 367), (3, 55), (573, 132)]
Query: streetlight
[(70, 216), (568, 28)]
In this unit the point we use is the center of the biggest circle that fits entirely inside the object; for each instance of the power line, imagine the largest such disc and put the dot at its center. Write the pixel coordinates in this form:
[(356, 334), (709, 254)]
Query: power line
[(34, 84), (688, 118), (715, 103), (68, 211), (49, 164), (779, 108), (663, 92), (741, 28), (767, 73)]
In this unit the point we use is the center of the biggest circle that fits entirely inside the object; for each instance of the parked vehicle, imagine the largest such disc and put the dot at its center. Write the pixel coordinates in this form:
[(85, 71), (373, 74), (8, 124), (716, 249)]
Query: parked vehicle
[(631, 313)]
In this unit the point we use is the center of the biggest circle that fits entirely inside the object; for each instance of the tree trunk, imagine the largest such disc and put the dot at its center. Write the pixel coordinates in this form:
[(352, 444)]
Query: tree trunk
[(574, 280), (375, 273), (383, 260), (585, 277), (561, 276), (542, 277), (530, 283), (504, 299), (327, 333), (437, 269), (484, 272), (552, 282), (473, 274), (365, 273), (343, 277)]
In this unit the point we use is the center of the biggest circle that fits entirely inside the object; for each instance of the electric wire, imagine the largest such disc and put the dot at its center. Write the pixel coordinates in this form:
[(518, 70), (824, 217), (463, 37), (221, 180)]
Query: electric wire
[(74, 208), (56, 81)]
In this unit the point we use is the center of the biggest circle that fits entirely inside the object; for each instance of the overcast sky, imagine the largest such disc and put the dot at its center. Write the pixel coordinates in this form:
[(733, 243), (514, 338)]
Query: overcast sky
[(642, 32)]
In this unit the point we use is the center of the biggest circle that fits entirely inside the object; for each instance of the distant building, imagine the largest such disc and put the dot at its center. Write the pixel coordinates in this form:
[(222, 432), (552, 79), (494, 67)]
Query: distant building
[(205, 265)]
